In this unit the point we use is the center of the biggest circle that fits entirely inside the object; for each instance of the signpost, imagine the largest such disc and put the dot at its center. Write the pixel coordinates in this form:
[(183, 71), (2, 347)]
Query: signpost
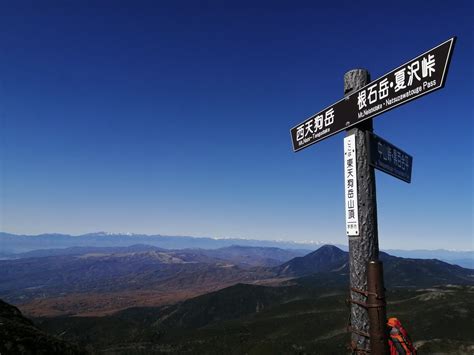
[(386, 157), (418, 77), (364, 151)]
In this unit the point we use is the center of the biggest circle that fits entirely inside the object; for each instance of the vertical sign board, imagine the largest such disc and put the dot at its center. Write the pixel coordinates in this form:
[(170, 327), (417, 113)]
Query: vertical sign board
[(418, 77), (386, 157), (350, 186)]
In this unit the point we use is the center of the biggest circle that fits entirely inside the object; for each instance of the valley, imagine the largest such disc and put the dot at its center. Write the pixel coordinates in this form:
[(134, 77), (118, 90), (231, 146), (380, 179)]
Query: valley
[(235, 299)]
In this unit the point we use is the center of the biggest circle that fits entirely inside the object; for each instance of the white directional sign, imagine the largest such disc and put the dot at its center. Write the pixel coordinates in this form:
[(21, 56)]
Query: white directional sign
[(350, 186)]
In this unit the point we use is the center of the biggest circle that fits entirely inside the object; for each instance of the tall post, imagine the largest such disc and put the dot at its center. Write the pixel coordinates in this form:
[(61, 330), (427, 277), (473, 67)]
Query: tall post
[(363, 247)]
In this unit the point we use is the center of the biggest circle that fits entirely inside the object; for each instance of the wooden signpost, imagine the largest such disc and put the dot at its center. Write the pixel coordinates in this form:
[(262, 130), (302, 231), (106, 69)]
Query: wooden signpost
[(364, 151)]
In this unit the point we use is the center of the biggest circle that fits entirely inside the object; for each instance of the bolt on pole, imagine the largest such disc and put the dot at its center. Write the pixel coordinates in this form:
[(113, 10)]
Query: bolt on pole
[(363, 247)]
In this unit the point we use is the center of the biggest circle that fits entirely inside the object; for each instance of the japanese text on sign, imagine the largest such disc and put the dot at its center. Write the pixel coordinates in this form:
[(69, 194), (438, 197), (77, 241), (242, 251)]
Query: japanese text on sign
[(393, 156), (388, 158), (350, 186), (315, 127), (416, 78)]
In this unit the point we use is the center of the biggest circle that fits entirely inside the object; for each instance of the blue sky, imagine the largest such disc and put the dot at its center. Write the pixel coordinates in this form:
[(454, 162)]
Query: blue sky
[(165, 117)]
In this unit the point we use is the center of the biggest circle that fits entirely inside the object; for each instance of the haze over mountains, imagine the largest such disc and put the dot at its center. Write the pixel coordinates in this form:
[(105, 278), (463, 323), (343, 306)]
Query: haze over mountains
[(12, 243), (12, 246)]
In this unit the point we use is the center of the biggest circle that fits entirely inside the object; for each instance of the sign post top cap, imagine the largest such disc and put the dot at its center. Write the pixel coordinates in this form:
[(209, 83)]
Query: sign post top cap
[(356, 70), (355, 79)]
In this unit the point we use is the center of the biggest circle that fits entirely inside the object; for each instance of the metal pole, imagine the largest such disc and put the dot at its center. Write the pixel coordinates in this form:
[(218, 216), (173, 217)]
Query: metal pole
[(377, 309), (364, 247)]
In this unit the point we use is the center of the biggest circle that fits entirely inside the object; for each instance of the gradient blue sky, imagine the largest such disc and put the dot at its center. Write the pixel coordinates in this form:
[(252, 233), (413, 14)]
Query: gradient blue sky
[(173, 117)]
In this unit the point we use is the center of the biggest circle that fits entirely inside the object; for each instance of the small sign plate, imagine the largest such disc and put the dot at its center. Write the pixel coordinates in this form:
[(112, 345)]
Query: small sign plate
[(386, 157), (350, 186)]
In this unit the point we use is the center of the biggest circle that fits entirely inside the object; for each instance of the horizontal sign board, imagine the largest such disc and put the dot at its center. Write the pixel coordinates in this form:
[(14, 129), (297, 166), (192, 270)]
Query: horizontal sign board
[(350, 186), (420, 76), (386, 157)]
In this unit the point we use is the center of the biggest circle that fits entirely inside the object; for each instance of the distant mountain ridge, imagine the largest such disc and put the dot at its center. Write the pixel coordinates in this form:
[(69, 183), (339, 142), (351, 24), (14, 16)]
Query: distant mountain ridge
[(104, 280), (325, 259), (241, 255), (11, 244), (464, 258), (397, 271)]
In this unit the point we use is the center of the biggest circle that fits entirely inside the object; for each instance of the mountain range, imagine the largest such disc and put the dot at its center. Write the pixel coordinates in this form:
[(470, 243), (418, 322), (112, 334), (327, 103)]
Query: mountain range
[(255, 300), (98, 281), (12, 245)]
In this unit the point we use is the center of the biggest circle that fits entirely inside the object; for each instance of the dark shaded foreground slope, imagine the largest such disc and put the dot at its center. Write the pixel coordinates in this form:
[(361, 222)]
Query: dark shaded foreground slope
[(249, 319), (18, 335), (302, 315)]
